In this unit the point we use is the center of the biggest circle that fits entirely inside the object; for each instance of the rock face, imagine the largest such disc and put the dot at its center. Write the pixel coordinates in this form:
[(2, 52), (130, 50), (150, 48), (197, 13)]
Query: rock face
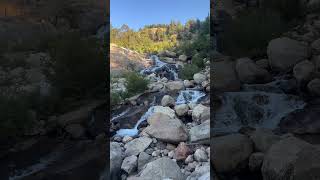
[(250, 73), (303, 71), (167, 101), (160, 169), (279, 160), (200, 133), (284, 53), (199, 78), (166, 129), (136, 146), (116, 157), (225, 77), (230, 152), (201, 113)]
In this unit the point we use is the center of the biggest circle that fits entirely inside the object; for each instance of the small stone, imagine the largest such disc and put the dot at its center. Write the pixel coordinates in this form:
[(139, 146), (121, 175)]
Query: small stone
[(200, 155), (171, 154), (127, 139), (156, 153), (182, 151), (170, 146), (189, 159)]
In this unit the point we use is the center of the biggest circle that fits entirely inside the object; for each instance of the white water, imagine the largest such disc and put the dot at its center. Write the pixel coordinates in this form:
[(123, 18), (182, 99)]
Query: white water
[(255, 109), (159, 65), (134, 131), (189, 96)]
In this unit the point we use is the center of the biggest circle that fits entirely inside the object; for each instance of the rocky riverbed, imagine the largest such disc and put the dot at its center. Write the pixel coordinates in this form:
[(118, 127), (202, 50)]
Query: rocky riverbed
[(167, 129)]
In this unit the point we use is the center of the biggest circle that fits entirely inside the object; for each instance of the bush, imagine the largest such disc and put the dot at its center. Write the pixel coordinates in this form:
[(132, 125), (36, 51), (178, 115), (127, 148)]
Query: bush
[(14, 116), (115, 98), (79, 64), (197, 60), (188, 71), (136, 83), (250, 33)]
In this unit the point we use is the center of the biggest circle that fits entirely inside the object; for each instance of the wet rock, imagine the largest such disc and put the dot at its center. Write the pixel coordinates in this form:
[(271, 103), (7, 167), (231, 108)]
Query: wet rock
[(314, 87), (250, 73), (303, 71), (200, 155), (231, 152), (183, 58), (166, 129), (129, 164), (199, 78), (160, 169), (279, 160), (181, 109), (143, 159), (200, 133), (167, 101), (284, 53), (182, 151), (263, 139), (225, 78), (255, 161), (76, 130), (201, 113), (136, 146), (116, 157), (175, 86)]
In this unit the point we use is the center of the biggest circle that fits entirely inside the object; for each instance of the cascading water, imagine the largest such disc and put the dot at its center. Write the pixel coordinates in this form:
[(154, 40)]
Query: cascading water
[(189, 96), (255, 109), (160, 67)]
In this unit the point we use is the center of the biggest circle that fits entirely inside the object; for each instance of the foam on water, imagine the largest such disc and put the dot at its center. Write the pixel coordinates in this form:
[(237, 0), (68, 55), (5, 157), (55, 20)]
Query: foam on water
[(134, 131), (189, 96)]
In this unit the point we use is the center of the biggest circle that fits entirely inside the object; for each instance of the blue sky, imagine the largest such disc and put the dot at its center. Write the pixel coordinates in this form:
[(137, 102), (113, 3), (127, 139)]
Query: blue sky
[(137, 13)]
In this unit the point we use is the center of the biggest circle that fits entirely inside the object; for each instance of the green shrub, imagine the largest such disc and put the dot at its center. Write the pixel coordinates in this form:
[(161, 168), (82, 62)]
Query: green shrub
[(136, 83), (79, 64), (250, 33), (115, 98), (14, 116), (188, 71), (198, 60)]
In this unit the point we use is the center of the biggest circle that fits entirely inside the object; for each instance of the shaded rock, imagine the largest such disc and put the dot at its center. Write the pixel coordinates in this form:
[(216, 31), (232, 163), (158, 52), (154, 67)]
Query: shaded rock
[(316, 46), (263, 139), (307, 165), (76, 130), (225, 77), (129, 164), (231, 152), (255, 161), (143, 159), (201, 113), (116, 157), (160, 169), (167, 101), (181, 109), (284, 53), (303, 71), (200, 133), (250, 73), (314, 87), (263, 63), (136, 146), (279, 160)]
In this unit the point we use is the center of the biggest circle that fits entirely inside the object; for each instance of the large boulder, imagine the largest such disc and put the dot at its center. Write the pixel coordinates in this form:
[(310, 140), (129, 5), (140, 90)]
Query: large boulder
[(181, 109), (284, 53), (250, 73), (263, 139), (137, 146), (201, 113), (279, 160), (199, 78), (163, 168), (167, 101), (166, 129), (303, 71), (231, 152), (183, 57), (116, 157), (164, 110), (225, 77), (200, 133), (175, 86)]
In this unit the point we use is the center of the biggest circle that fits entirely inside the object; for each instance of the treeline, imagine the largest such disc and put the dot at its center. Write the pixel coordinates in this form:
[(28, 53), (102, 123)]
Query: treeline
[(157, 37)]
